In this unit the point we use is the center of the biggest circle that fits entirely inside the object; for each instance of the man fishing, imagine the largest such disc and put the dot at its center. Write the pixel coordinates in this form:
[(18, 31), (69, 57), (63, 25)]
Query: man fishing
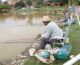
[(52, 31)]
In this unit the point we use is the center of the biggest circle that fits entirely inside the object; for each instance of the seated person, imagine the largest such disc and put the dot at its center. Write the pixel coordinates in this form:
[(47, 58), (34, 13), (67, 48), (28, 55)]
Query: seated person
[(72, 18), (52, 31), (62, 22)]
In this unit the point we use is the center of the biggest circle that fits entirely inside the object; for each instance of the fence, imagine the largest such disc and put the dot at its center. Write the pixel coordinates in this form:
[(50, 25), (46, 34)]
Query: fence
[(74, 61), (77, 63)]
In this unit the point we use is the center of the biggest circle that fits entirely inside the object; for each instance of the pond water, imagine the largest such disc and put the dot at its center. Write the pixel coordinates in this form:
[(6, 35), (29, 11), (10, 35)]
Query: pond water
[(9, 51), (19, 26), (22, 19)]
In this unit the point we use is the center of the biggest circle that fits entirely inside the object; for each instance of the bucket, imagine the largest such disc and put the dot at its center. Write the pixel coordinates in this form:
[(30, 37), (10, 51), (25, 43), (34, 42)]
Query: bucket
[(31, 51)]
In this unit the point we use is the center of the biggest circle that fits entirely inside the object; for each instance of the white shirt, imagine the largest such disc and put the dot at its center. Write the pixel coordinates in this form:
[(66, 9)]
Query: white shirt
[(52, 31)]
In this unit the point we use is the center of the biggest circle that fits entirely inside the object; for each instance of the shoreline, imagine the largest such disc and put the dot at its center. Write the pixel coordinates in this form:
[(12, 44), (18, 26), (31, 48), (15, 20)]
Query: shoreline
[(23, 56)]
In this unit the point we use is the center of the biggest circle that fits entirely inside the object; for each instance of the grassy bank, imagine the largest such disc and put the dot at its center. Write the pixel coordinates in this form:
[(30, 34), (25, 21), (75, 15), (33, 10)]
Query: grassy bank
[(74, 40), (39, 9)]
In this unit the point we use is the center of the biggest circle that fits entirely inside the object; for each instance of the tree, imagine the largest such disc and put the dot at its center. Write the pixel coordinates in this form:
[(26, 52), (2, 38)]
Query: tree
[(39, 2), (20, 4), (28, 2), (74, 2), (78, 2), (5, 6), (60, 1)]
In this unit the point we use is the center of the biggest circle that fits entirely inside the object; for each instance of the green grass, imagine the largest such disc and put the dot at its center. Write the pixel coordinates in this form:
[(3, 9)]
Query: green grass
[(20, 10), (74, 40), (40, 9), (52, 8)]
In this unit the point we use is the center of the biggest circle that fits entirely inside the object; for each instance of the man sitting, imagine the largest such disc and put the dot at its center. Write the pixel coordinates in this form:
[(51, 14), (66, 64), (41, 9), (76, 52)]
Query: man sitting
[(52, 31)]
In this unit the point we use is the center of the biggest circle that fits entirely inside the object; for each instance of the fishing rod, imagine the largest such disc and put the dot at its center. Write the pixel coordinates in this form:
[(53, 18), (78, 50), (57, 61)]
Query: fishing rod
[(29, 40)]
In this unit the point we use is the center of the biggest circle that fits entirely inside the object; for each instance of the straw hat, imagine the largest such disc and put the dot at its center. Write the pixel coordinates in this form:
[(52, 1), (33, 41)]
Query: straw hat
[(70, 7), (46, 18)]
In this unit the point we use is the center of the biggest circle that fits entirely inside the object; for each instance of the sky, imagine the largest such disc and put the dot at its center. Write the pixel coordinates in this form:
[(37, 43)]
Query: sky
[(4, 0)]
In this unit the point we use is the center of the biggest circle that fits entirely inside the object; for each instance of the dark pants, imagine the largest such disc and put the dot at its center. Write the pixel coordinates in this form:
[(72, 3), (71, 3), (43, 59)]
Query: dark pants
[(45, 41)]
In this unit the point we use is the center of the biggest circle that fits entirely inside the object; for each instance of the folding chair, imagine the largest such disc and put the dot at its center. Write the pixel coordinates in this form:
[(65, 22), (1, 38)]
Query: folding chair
[(65, 35), (61, 41)]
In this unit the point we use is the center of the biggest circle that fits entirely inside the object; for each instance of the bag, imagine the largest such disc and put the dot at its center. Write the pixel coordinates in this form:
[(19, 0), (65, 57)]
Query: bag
[(43, 57), (64, 52), (44, 54)]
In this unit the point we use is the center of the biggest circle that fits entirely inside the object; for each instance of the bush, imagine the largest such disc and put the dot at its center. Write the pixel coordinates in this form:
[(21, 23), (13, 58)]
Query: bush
[(5, 6)]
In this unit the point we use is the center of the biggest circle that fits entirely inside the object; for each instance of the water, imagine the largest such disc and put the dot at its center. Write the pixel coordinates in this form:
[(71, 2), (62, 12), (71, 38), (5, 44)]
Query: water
[(10, 51), (19, 27), (22, 19)]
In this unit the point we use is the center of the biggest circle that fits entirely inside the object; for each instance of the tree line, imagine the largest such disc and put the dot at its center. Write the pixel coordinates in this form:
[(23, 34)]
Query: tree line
[(41, 2)]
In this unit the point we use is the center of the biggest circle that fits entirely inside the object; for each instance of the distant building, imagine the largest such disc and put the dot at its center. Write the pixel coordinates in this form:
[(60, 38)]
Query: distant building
[(12, 1)]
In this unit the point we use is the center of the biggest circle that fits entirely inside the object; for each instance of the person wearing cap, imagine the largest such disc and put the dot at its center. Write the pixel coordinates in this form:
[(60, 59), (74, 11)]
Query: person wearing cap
[(52, 30)]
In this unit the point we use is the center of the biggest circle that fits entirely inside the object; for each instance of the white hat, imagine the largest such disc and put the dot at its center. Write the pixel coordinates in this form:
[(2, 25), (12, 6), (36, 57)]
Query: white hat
[(46, 18)]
